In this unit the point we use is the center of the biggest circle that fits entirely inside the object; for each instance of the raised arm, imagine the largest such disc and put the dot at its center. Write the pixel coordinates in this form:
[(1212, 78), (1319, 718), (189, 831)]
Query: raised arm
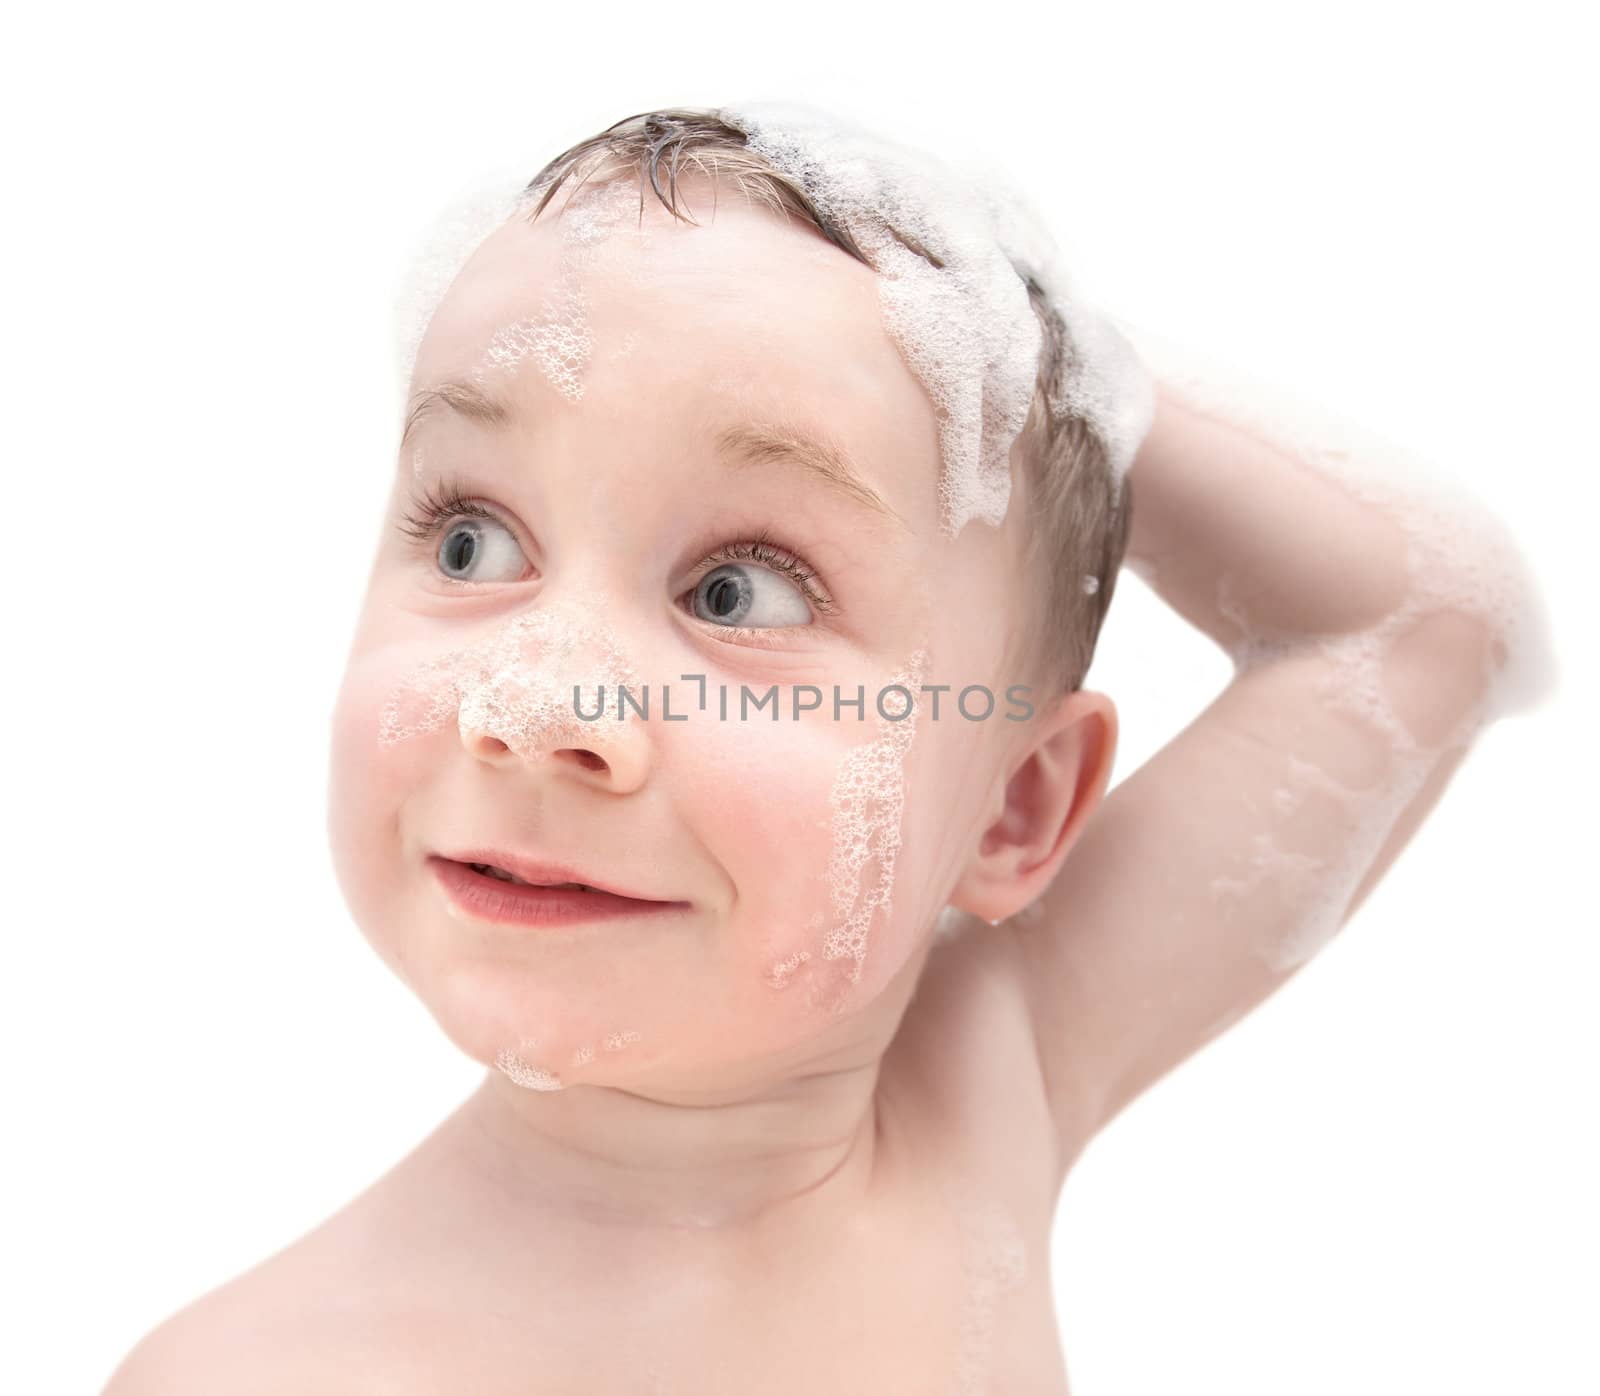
[(1378, 619)]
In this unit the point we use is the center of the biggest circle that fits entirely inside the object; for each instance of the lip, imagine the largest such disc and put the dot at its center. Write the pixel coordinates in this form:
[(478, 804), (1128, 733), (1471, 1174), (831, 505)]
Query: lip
[(531, 871), (489, 899)]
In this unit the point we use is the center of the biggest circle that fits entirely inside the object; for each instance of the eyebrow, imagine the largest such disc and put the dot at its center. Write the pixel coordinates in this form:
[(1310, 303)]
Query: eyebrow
[(742, 444), (763, 443), (463, 398)]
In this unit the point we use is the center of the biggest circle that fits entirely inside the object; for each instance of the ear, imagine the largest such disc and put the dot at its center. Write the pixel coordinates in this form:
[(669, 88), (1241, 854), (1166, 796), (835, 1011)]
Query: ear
[(1040, 807)]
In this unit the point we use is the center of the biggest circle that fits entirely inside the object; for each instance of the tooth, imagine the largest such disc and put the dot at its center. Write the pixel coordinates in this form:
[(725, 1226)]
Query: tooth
[(501, 875)]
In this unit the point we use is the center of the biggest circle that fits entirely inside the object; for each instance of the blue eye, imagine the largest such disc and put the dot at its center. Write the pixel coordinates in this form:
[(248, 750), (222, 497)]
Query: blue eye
[(777, 592), (465, 529), (734, 594), (480, 542), (781, 591)]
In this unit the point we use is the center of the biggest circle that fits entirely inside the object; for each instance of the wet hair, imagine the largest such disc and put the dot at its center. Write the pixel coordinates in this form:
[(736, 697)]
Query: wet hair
[(1077, 519)]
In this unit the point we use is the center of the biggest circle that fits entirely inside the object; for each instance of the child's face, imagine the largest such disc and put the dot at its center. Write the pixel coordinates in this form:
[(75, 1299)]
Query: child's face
[(610, 500)]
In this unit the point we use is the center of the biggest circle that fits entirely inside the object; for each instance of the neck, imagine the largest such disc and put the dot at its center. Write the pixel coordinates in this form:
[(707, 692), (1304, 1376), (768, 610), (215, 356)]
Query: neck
[(611, 1157), (793, 1139)]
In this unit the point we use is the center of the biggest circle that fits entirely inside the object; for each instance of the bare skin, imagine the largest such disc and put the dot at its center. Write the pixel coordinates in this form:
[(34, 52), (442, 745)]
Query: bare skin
[(790, 1205), (889, 1269)]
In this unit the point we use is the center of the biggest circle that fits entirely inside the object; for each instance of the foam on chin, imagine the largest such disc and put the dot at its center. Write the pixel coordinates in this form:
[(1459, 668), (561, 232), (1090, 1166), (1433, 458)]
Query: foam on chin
[(520, 1063)]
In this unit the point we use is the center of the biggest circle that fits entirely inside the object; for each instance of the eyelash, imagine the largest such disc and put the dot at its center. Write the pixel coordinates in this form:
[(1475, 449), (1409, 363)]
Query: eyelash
[(433, 508)]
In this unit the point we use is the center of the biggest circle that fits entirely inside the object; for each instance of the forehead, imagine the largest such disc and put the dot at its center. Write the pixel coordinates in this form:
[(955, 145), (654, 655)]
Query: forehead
[(741, 269), (744, 307)]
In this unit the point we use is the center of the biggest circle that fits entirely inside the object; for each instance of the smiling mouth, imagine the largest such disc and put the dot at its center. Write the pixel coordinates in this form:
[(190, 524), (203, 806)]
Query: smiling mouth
[(492, 893), (501, 875)]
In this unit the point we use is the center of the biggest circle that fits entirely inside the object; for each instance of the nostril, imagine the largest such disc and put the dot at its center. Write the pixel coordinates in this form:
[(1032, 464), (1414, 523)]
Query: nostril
[(489, 742), (589, 760)]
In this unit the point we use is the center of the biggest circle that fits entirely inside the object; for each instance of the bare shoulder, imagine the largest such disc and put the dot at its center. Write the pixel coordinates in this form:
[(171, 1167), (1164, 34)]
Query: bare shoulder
[(289, 1326), (203, 1347)]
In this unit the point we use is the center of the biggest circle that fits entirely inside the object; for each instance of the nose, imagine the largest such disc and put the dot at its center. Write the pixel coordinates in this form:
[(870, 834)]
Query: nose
[(539, 725), (612, 754), (530, 701)]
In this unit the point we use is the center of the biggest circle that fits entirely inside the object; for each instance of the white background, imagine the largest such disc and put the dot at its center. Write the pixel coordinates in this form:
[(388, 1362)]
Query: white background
[(1375, 1183)]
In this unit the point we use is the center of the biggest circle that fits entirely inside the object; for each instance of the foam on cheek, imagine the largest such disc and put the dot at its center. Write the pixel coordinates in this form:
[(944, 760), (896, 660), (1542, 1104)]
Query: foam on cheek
[(516, 685), (965, 327), (867, 803), (1396, 704)]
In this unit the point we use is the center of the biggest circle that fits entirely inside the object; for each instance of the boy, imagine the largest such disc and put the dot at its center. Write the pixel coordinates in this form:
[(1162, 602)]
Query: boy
[(795, 1012)]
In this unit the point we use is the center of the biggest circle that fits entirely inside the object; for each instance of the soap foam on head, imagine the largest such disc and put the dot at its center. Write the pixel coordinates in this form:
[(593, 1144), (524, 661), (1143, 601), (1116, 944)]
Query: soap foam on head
[(559, 338), (965, 327), (461, 228)]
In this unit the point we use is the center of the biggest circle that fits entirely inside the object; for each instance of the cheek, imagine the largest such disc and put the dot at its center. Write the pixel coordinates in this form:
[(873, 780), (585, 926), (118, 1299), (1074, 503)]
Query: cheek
[(808, 820), (757, 795), (794, 828), (367, 788)]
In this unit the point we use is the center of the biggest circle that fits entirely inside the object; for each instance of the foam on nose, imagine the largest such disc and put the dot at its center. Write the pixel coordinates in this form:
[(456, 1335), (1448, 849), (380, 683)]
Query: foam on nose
[(517, 684)]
